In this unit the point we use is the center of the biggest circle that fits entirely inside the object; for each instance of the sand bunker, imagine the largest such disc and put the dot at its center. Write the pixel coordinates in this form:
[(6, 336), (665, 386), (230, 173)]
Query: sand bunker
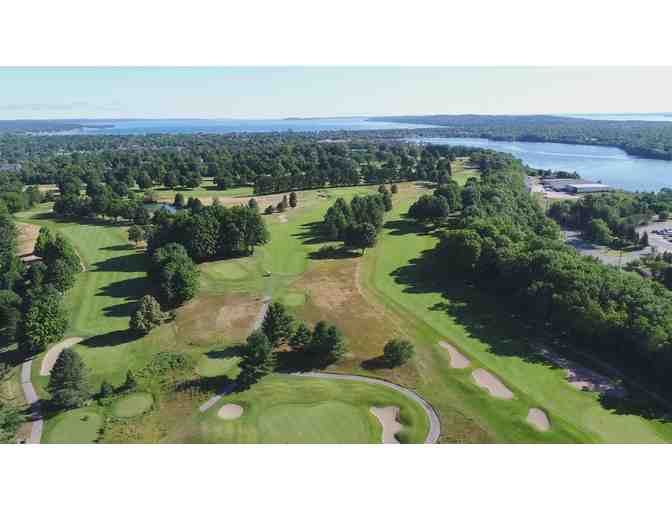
[(389, 419), (230, 412), (457, 359), (282, 218), (583, 378), (538, 419), (52, 355), (491, 383)]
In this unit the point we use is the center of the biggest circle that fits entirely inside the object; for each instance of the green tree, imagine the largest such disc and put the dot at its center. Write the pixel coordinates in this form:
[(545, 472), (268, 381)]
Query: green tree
[(11, 419), (599, 232), (293, 200), (136, 234), (277, 324), (327, 344), (68, 383), (106, 390), (147, 316), (252, 204), (258, 359), (397, 352), (394, 189), (179, 202), (44, 240), (175, 274), (301, 339), (362, 236), (44, 321), (462, 248), (387, 201)]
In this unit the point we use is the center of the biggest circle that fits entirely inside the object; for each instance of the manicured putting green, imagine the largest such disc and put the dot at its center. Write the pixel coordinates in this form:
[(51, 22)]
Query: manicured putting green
[(132, 405), (314, 424), (227, 270), (294, 299), (285, 409), (76, 426), (214, 367)]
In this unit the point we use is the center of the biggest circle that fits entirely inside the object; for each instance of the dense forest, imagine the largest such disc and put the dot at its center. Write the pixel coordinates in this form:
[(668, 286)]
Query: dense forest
[(270, 164), (503, 243), (639, 138)]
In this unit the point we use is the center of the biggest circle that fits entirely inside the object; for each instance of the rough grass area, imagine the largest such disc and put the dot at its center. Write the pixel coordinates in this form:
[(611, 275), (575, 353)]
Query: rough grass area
[(132, 405), (284, 409)]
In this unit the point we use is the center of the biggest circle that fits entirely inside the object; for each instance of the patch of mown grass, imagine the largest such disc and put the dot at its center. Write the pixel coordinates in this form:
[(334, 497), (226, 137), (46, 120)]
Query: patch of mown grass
[(75, 426), (131, 405), (287, 409)]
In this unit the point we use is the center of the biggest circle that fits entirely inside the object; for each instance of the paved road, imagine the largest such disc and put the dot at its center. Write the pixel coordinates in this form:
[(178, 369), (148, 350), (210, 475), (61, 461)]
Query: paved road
[(434, 421), (34, 401)]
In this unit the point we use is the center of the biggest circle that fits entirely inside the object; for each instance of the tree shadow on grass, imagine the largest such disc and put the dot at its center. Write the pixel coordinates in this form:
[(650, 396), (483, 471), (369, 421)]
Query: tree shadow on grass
[(333, 253), (119, 247), (129, 263), (638, 404), (311, 233), (227, 352), (376, 363), (296, 361), (112, 339), (490, 319)]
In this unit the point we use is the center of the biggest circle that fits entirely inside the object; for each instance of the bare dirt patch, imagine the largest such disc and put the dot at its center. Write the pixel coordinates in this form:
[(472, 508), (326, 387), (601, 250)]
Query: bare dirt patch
[(457, 359), (230, 412), (538, 419), (54, 352), (389, 420), (26, 243), (491, 383)]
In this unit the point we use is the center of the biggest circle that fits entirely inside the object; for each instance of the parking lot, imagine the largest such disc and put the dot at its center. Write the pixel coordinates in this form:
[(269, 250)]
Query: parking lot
[(660, 235)]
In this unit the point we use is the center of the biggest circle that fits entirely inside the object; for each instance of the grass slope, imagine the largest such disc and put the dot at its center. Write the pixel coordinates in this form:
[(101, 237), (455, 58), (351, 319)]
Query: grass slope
[(285, 409)]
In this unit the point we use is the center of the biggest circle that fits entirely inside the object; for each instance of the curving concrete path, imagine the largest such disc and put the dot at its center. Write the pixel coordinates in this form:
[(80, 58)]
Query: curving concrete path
[(37, 423), (434, 421)]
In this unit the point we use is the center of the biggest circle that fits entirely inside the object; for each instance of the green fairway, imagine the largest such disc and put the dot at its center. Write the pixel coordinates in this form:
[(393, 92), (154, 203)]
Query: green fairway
[(286, 409), (131, 405), (76, 426), (399, 274)]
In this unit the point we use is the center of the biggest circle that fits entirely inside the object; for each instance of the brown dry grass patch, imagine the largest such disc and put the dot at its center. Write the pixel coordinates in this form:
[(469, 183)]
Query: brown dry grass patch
[(210, 317), (26, 242), (333, 295)]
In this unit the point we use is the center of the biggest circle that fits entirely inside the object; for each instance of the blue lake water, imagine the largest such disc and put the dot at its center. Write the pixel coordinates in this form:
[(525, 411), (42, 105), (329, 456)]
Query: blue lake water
[(137, 127), (606, 164)]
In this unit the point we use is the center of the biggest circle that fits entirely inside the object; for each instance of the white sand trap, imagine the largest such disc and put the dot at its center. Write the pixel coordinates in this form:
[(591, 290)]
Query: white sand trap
[(54, 352), (230, 412), (538, 419), (388, 418), (457, 359), (282, 218), (491, 383)]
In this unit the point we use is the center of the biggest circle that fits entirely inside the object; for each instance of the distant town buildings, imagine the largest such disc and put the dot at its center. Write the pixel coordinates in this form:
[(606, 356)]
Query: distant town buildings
[(575, 186)]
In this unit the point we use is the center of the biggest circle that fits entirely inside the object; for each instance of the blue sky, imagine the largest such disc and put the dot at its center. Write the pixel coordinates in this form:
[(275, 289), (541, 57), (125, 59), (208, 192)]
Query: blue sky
[(275, 92)]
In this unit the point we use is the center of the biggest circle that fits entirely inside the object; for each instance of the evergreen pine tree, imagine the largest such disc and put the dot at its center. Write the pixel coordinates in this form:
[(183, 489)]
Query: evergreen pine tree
[(277, 324), (68, 382)]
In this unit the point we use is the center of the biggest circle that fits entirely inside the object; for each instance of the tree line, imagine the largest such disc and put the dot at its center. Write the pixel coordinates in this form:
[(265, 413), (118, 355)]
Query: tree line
[(505, 244)]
